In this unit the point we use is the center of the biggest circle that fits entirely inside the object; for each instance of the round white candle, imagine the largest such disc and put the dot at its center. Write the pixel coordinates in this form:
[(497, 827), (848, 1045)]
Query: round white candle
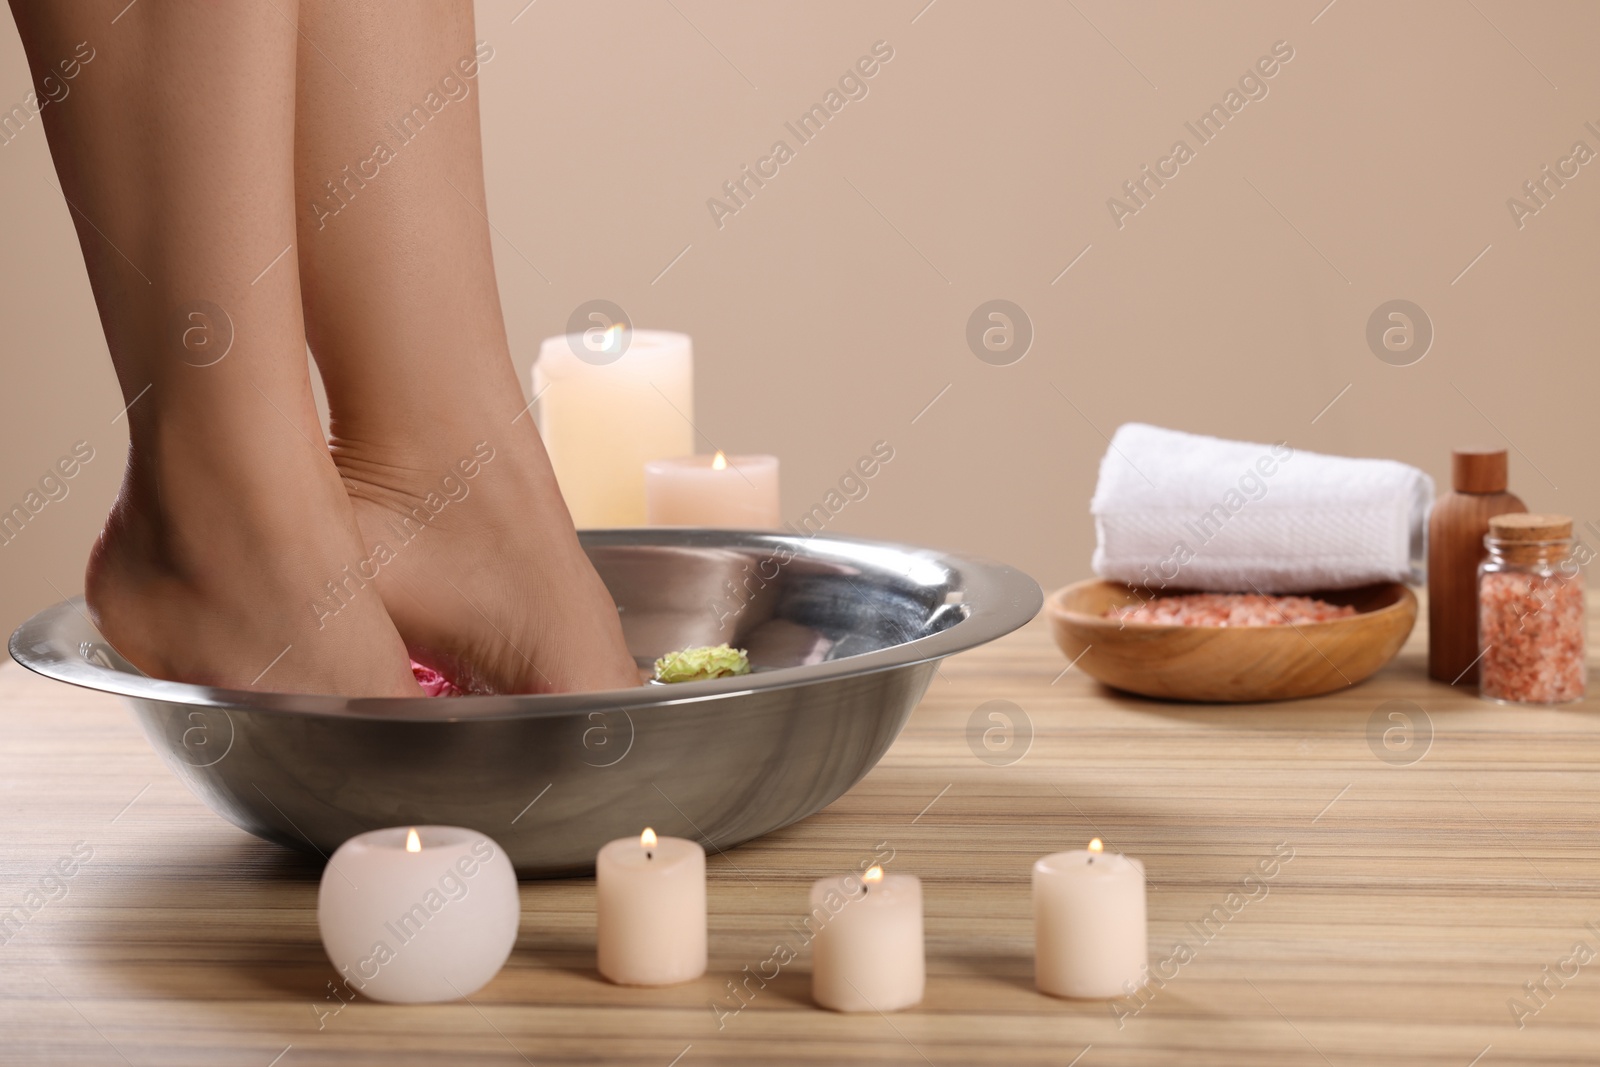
[(867, 954), (418, 914), (1090, 938), (601, 421), (651, 915), (730, 492)]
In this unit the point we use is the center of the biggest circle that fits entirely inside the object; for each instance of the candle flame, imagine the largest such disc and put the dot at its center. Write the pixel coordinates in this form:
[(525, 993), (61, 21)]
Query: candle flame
[(873, 875), (648, 838), (1096, 845), (413, 842), (719, 462)]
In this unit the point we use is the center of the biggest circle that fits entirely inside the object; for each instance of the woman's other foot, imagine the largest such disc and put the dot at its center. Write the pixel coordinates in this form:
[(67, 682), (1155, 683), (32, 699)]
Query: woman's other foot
[(481, 569), (240, 567)]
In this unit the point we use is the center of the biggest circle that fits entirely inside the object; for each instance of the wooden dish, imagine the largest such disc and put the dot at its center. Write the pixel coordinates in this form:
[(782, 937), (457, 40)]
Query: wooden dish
[(1234, 664)]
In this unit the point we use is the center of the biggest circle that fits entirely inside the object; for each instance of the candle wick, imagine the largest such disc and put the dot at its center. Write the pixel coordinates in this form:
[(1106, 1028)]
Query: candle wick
[(649, 855), (1091, 859)]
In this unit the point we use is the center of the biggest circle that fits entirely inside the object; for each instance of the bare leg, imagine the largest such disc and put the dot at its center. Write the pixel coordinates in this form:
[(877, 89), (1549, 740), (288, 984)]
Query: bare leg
[(175, 151), (486, 581)]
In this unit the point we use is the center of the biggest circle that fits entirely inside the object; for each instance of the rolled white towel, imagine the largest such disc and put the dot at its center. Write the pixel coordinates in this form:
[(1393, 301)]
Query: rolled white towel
[(1179, 510)]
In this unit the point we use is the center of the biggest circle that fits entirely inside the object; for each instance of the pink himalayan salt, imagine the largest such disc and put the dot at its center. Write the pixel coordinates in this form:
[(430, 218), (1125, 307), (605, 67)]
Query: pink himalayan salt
[(1230, 609), (1531, 630), (433, 683)]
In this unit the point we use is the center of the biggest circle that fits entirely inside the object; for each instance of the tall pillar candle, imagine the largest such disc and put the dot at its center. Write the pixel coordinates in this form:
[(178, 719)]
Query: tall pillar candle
[(651, 911), (609, 402), (1090, 939), (868, 953), (728, 492)]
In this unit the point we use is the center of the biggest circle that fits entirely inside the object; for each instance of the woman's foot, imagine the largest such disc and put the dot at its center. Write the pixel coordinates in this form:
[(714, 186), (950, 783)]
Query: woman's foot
[(476, 557), (473, 549), (239, 568)]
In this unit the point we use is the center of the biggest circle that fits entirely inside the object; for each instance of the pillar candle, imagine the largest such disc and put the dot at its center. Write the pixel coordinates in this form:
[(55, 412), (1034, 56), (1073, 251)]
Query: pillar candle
[(417, 914), (604, 417), (651, 916), (730, 492), (867, 954), (1089, 923)]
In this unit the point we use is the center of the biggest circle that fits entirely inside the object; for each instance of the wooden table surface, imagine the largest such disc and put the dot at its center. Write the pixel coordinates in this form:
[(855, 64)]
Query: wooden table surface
[(1428, 882)]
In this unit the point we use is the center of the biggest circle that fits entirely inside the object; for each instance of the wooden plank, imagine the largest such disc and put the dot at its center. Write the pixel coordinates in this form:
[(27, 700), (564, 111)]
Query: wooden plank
[(1419, 900)]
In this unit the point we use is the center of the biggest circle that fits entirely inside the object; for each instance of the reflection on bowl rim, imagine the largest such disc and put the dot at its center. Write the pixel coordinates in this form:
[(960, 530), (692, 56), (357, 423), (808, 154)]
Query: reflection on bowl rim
[(984, 594)]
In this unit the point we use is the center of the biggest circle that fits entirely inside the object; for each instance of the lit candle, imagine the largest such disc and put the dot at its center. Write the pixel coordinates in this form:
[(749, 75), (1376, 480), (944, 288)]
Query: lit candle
[(730, 492), (418, 914), (651, 915), (603, 417), (867, 954), (1089, 923)]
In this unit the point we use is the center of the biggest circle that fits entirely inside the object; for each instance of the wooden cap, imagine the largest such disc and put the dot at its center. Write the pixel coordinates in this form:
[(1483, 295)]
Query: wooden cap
[(1478, 470), (1525, 527)]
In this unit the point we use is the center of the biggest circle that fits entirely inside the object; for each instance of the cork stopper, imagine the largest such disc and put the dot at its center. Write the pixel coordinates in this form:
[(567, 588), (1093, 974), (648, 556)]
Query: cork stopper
[(1525, 527), (1478, 470)]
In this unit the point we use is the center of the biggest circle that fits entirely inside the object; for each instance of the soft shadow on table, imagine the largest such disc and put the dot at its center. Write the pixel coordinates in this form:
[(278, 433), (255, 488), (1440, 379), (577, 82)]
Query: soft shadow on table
[(1013, 971), (1016, 973), (221, 884), (213, 883), (1355, 701)]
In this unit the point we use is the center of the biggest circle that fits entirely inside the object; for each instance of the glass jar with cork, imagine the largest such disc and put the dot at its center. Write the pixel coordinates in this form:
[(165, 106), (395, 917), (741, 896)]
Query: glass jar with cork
[(1531, 612)]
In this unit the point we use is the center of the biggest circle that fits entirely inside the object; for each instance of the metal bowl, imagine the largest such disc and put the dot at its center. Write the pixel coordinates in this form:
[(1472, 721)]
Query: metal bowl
[(843, 637)]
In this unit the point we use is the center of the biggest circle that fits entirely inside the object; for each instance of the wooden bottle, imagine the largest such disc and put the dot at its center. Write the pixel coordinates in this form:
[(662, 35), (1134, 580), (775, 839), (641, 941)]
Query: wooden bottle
[(1456, 527)]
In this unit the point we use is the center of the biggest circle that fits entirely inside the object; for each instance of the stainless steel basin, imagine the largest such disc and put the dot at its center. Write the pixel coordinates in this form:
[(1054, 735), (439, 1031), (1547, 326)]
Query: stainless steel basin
[(843, 637)]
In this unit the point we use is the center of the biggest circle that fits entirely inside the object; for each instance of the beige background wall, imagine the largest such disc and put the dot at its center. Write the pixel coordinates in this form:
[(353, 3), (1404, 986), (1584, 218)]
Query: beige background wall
[(832, 308)]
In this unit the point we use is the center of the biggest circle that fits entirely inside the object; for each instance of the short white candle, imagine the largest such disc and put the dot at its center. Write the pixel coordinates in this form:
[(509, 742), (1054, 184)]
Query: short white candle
[(418, 914), (1090, 938), (867, 954), (651, 914), (728, 492), (601, 421)]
